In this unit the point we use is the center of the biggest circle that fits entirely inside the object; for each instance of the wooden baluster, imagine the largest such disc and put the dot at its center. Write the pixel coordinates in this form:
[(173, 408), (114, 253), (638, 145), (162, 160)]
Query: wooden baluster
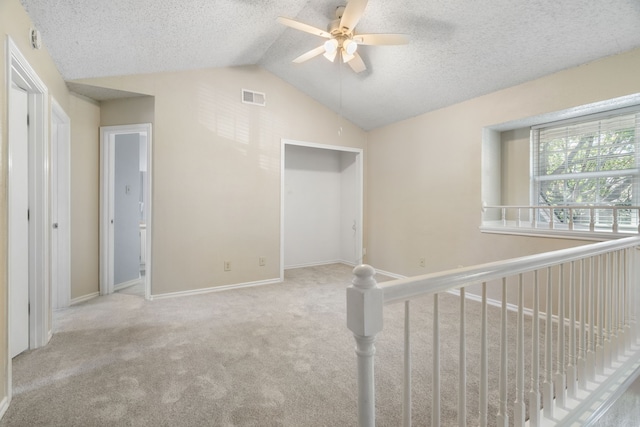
[(633, 294), (607, 311), (600, 362), (462, 367), (551, 210), (582, 343), (534, 218), (614, 227), (614, 307), (622, 339), (534, 393), (504, 217), (627, 299), (592, 219), (406, 389), (364, 318), (503, 417), (520, 407), (435, 403), (560, 377), (519, 219), (571, 365), (570, 218), (484, 362), (547, 385), (591, 342)]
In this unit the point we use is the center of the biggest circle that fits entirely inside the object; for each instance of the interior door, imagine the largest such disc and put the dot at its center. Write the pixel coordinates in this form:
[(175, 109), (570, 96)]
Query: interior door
[(126, 233), (60, 233), (18, 184)]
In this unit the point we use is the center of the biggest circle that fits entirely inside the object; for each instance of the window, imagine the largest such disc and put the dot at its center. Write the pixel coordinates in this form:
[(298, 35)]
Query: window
[(586, 162)]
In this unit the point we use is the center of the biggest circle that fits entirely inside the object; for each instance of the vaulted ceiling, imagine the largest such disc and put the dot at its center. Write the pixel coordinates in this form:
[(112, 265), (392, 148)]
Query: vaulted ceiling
[(459, 49)]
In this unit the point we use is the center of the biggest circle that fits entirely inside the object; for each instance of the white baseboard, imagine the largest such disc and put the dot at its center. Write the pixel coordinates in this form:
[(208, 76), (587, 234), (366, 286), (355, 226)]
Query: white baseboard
[(388, 273), (313, 264), (128, 284), (84, 298), (213, 289), (4, 405)]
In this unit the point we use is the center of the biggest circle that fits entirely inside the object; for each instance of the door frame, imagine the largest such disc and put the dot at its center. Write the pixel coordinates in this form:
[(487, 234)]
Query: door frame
[(359, 152), (107, 171), (19, 71), (60, 206)]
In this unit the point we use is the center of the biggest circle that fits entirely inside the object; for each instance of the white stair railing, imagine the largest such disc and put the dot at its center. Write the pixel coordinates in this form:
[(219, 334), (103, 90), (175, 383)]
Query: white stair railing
[(596, 336)]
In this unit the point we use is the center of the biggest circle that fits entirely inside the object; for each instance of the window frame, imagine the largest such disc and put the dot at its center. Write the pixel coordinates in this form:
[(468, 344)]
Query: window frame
[(536, 179)]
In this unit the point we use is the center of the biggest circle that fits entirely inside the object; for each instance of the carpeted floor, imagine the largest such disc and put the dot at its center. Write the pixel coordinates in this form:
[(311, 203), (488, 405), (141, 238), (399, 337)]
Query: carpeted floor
[(275, 355)]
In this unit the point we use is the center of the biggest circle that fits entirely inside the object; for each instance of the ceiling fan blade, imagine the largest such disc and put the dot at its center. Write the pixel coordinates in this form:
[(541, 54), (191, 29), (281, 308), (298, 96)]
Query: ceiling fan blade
[(311, 54), (381, 39), (352, 14), (303, 27), (357, 64)]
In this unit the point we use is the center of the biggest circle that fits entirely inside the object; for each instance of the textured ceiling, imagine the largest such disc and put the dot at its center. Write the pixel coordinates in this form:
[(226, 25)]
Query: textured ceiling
[(459, 49)]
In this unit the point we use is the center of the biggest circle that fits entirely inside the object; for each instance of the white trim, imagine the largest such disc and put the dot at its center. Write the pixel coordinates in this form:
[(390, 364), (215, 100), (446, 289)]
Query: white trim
[(314, 264), (106, 202), (4, 405), (214, 289), (359, 184), (84, 298), (121, 286), (555, 233), (40, 328), (389, 274)]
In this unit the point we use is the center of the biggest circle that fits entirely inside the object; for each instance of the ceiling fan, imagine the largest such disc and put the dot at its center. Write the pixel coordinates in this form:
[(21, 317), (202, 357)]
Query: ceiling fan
[(342, 38)]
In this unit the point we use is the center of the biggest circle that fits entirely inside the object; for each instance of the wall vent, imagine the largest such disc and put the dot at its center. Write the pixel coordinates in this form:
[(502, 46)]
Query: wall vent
[(254, 98)]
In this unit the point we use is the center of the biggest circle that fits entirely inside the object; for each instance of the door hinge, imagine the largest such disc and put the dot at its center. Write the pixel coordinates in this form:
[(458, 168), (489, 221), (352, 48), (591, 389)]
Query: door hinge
[(28, 214), (27, 120), (29, 308)]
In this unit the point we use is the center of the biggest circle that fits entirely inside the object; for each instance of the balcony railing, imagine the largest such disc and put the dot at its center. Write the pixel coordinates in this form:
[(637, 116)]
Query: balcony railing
[(580, 219)]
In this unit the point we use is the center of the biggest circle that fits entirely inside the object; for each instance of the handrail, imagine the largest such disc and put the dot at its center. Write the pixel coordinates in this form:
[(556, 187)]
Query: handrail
[(591, 360), (413, 287)]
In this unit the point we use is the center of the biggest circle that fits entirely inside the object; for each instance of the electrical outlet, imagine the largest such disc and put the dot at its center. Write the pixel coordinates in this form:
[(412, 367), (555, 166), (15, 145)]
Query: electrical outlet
[(423, 262), (227, 266), (262, 261)]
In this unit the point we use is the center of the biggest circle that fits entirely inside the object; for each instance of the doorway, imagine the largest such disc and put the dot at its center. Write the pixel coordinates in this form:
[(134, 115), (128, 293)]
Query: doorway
[(321, 200), (29, 304), (125, 209)]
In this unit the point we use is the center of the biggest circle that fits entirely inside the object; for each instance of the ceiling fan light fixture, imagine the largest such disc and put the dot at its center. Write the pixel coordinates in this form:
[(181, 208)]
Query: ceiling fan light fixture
[(350, 46), (346, 57), (331, 56), (331, 46)]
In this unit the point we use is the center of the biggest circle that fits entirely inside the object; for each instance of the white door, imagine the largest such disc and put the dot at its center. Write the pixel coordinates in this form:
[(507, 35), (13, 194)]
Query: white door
[(18, 221), (60, 233)]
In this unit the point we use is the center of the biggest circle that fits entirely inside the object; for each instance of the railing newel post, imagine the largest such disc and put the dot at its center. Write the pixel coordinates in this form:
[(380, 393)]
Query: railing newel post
[(365, 301)]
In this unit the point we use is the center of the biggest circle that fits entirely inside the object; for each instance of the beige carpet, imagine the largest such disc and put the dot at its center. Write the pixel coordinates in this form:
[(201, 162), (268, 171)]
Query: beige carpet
[(276, 355)]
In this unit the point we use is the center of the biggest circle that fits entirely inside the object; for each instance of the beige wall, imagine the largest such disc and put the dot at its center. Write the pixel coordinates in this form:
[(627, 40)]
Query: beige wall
[(127, 111), (424, 192), (85, 196), (515, 152), (216, 170)]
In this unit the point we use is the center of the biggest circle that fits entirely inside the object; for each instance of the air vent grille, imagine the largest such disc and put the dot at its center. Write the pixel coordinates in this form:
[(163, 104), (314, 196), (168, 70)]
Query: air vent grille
[(253, 98)]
